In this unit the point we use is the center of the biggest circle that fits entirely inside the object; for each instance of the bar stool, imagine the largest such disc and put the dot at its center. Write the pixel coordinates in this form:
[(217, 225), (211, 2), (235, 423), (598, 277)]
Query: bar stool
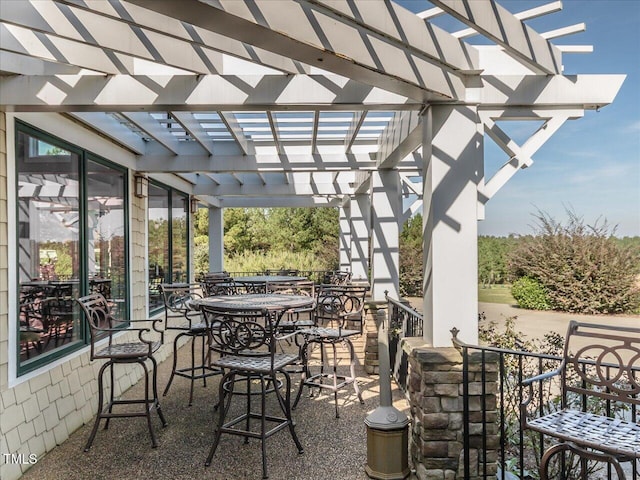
[(102, 325), (179, 316), (337, 308)]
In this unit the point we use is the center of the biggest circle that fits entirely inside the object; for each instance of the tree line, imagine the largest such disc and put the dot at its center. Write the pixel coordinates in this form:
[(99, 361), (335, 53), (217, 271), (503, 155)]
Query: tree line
[(571, 267)]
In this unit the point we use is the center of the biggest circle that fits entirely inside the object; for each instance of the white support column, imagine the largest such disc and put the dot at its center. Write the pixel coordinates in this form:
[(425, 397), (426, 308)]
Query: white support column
[(345, 237), (385, 203), (360, 234), (216, 240), (453, 156)]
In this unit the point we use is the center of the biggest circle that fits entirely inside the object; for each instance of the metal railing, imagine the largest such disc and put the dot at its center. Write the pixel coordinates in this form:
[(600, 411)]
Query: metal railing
[(404, 322), (519, 451)]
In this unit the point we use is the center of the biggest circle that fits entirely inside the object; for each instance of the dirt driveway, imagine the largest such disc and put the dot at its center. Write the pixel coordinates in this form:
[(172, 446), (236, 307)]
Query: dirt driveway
[(534, 323)]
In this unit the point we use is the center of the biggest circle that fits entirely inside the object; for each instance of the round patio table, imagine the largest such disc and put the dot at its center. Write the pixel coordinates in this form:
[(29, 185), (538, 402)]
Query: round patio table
[(255, 302), (258, 283)]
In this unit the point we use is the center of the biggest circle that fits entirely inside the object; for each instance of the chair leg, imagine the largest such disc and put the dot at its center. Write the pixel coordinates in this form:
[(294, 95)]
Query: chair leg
[(94, 430), (148, 403), (248, 420), (304, 355), (203, 358), (222, 414), (154, 386), (263, 422), (193, 369), (335, 378), (174, 365), (544, 462), (112, 389), (285, 404)]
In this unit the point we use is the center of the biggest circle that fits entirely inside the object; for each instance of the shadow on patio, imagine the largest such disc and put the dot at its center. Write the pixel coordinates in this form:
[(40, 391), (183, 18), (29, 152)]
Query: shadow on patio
[(334, 448)]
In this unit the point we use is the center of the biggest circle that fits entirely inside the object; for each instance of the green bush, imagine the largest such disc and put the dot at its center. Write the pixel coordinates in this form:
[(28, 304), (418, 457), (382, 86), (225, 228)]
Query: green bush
[(530, 294), (582, 268)]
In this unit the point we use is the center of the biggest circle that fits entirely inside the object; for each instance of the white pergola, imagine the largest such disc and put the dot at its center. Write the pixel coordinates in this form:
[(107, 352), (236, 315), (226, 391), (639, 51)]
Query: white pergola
[(361, 105)]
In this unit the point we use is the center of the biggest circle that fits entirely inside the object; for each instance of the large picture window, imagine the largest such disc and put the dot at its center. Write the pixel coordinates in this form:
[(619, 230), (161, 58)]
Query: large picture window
[(71, 213), (168, 240)]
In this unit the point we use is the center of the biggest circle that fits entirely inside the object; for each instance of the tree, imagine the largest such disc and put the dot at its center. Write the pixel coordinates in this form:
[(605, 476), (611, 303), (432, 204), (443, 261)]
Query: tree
[(411, 261)]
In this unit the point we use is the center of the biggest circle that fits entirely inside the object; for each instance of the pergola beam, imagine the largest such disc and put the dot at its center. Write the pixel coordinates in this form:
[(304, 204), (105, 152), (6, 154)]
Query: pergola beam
[(501, 26), (558, 91), (234, 128), (107, 125), (325, 40), (207, 41), (274, 202), (253, 163), (297, 189), (273, 125), (523, 15), (192, 93), (354, 128), (153, 129), (194, 129), (19, 64), (401, 137)]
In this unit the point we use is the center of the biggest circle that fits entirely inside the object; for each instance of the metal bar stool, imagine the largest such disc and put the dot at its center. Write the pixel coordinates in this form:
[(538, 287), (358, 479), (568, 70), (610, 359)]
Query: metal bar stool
[(181, 317)]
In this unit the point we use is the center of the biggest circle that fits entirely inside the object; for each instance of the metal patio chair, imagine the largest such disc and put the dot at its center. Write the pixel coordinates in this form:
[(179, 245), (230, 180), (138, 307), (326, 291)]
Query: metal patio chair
[(103, 325), (179, 316), (339, 316), (246, 343), (601, 363)]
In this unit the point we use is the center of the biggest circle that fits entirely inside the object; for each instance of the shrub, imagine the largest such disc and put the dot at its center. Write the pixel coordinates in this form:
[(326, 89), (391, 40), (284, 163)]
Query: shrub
[(530, 294), (582, 268)]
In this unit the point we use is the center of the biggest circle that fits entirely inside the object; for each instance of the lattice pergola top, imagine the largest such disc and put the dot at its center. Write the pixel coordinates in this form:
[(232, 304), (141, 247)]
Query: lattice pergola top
[(283, 102)]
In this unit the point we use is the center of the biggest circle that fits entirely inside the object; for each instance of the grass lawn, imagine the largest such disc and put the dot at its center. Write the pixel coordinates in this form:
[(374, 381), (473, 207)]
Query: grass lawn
[(496, 294)]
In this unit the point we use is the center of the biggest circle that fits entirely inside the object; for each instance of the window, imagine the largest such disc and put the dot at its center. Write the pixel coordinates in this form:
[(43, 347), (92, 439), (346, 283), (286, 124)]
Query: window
[(71, 241), (168, 240)]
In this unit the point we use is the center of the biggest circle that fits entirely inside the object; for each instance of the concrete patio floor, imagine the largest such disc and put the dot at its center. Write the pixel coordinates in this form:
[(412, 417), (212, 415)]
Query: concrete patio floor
[(334, 448)]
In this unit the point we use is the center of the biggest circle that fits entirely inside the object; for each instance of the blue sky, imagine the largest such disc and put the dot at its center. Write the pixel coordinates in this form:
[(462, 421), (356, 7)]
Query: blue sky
[(591, 165)]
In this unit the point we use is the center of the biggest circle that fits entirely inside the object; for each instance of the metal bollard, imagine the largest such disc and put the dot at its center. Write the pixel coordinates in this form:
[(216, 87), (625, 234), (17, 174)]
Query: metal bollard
[(387, 427)]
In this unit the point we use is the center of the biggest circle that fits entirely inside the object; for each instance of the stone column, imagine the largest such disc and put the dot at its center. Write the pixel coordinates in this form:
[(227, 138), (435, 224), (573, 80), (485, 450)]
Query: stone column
[(436, 394), (216, 240)]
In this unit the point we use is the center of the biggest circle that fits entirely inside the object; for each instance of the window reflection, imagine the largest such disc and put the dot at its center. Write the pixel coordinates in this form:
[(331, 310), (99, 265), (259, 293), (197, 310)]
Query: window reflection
[(179, 234), (158, 249), (106, 253), (168, 240), (48, 244)]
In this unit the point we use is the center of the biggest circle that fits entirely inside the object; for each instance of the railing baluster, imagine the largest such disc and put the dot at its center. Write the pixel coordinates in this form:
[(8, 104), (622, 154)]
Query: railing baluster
[(521, 433), (502, 432), (484, 414), (465, 410)]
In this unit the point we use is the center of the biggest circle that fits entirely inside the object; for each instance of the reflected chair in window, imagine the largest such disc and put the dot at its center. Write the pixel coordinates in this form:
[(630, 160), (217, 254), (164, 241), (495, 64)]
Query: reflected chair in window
[(339, 316), (103, 325), (180, 317), (246, 342), (31, 327), (58, 316)]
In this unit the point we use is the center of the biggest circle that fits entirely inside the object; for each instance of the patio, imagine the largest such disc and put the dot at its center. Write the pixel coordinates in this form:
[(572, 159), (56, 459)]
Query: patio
[(334, 448), (120, 119)]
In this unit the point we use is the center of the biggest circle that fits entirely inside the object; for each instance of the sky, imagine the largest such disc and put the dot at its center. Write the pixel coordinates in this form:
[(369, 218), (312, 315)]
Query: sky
[(591, 165)]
